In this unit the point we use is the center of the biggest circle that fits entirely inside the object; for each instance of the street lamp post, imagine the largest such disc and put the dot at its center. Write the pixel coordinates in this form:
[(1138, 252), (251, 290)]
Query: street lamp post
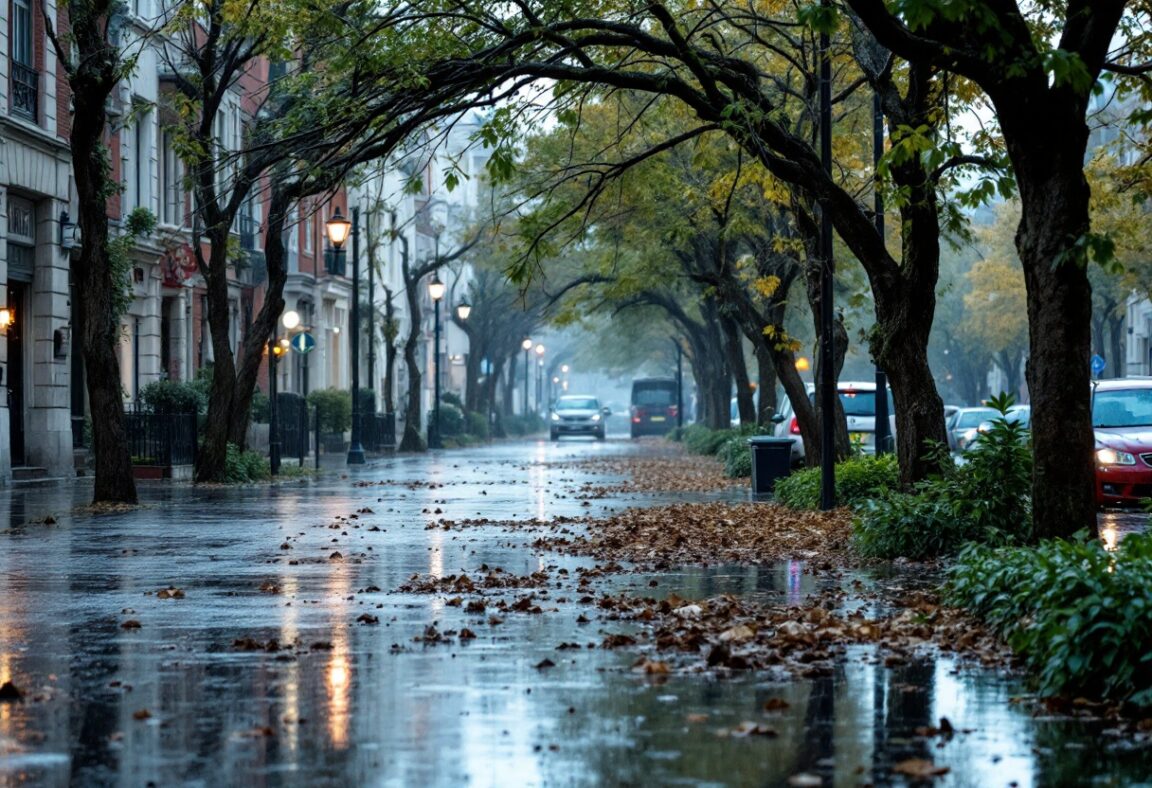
[(338, 230), (527, 345), (436, 290), (463, 311), (276, 348), (539, 377)]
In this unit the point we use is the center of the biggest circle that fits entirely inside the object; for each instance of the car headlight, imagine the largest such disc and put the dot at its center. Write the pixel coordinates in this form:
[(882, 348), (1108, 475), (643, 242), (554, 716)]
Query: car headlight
[(555, 417), (1114, 457), (595, 417)]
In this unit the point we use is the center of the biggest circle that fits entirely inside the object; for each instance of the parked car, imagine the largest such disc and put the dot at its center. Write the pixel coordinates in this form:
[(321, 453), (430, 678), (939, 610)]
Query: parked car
[(1016, 413), (962, 421), (1122, 422), (858, 399), (575, 414), (653, 409)]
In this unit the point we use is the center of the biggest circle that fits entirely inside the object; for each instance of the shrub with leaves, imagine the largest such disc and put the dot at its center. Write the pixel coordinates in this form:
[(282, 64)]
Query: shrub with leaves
[(857, 480), (335, 409), (1079, 616), (987, 499), (451, 419), (477, 425), (245, 466), (173, 396)]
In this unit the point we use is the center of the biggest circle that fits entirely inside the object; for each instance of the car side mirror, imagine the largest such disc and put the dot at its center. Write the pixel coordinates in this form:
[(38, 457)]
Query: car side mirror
[(778, 418), (606, 412)]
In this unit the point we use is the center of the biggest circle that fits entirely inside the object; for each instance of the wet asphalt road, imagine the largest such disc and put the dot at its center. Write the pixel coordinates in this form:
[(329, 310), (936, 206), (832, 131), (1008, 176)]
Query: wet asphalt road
[(175, 702)]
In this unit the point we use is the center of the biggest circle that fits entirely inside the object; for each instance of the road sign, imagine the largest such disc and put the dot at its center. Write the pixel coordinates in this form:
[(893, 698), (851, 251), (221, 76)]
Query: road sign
[(1097, 364), (303, 342)]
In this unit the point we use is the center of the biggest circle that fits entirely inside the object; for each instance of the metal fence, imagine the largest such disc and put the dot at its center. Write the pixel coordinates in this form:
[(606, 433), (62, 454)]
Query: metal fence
[(378, 431), (165, 439), (292, 420)]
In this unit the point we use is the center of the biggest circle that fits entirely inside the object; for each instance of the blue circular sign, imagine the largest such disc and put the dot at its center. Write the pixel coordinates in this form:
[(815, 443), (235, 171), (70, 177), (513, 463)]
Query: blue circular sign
[(1098, 363)]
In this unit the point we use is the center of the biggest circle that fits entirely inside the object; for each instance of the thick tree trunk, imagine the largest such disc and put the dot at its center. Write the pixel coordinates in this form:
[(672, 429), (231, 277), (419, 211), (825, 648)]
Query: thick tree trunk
[(412, 440), (96, 278), (766, 375), (1055, 196), (389, 353), (734, 347)]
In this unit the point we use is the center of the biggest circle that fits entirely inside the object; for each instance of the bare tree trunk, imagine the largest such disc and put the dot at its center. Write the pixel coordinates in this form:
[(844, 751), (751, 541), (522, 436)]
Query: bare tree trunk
[(412, 440), (93, 76)]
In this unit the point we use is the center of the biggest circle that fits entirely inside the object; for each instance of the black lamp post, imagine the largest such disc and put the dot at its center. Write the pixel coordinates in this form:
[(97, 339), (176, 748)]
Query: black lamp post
[(539, 378), (436, 291), (338, 229), (527, 345)]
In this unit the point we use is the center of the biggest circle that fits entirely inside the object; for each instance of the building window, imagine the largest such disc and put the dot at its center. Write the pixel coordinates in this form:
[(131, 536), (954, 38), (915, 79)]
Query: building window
[(25, 79), (141, 161), (171, 183)]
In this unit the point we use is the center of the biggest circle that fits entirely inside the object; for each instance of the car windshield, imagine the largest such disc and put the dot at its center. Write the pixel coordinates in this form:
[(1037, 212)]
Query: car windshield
[(972, 418), (862, 403), (1122, 408), (577, 403)]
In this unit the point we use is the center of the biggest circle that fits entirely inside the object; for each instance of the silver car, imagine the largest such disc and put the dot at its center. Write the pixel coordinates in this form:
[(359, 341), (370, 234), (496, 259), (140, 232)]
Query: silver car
[(858, 399), (575, 414)]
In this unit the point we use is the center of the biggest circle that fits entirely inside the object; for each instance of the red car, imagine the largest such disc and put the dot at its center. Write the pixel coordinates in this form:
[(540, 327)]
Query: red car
[(1122, 420)]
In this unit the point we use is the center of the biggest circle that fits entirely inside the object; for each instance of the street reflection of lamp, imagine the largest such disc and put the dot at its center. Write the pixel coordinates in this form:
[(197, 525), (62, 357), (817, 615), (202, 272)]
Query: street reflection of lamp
[(527, 345), (436, 291), (338, 229)]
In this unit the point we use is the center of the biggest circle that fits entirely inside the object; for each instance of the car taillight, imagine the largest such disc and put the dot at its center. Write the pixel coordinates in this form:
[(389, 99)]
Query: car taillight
[(794, 426)]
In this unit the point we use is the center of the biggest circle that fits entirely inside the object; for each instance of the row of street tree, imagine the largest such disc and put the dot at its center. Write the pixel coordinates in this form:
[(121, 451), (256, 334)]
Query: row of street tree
[(715, 108)]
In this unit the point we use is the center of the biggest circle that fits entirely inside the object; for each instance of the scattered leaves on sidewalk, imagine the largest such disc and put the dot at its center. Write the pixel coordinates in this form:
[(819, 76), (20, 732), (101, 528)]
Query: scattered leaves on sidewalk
[(920, 769)]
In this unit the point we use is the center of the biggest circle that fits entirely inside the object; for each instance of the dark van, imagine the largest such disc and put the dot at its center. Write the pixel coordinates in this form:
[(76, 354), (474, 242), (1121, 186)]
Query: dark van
[(653, 410)]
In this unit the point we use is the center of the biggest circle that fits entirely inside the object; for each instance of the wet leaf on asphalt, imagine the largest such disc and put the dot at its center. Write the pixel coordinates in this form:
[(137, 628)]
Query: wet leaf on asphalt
[(171, 592), (141, 714), (776, 704), (746, 729), (130, 624), (920, 769), (545, 663)]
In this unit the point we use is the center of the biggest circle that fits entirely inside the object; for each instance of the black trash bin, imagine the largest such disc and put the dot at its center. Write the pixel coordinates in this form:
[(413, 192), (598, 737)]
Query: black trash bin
[(771, 460)]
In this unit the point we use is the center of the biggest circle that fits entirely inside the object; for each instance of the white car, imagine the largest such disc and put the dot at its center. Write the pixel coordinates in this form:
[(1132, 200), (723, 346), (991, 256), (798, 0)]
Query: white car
[(858, 399), (575, 414)]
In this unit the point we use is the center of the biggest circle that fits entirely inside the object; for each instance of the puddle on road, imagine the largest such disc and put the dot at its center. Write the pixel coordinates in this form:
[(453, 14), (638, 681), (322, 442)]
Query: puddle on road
[(356, 704)]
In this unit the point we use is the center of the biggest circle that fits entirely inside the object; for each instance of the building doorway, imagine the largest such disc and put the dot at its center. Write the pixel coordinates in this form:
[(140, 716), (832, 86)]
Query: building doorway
[(15, 371)]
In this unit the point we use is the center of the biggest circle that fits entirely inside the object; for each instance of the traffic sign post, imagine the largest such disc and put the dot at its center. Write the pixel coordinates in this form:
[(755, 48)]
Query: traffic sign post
[(303, 342), (1098, 364)]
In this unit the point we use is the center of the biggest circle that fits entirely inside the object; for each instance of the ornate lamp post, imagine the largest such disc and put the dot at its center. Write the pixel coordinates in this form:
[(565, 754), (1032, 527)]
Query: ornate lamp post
[(436, 291), (276, 349), (338, 229)]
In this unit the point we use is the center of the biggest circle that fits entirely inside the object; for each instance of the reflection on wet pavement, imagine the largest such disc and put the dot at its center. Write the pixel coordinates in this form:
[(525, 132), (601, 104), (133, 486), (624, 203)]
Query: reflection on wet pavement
[(317, 694)]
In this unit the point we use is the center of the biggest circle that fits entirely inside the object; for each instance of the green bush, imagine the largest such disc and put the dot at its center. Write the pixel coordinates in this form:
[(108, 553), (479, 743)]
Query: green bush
[(335, 409), (987, 499), (857, 480), (699, 439), (523, 425), (452, 398), (245, 466), (451, 419), (173, 396), (477, 425), (1079, 616), (737, 456)]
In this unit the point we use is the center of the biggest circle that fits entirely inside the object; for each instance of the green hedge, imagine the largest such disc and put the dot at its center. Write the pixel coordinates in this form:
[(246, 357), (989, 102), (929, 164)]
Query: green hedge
[(173, 396), (857, 480), (1079, 616), (987, 499), (245, 466), (335, 408)]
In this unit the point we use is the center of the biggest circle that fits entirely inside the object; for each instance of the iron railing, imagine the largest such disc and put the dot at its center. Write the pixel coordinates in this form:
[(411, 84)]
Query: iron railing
[(292, 423), (378, 431), (164, 439)]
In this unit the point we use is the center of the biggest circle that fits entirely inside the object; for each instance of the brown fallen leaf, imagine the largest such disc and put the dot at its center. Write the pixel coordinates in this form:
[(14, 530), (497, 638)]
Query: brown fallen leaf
[(545, 663), (745, 729), (920, 769), (776, 704), (141, 714), (130, 624)]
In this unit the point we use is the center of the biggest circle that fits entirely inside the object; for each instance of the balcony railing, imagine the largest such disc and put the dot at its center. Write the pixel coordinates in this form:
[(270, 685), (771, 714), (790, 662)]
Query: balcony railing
[(25, 90)]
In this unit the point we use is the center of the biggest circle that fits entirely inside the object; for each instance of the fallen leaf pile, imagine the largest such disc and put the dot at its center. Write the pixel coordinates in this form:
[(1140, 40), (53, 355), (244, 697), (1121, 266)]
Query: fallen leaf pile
[(715, 533), (463, 584), (677, 472), (725, 633)]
